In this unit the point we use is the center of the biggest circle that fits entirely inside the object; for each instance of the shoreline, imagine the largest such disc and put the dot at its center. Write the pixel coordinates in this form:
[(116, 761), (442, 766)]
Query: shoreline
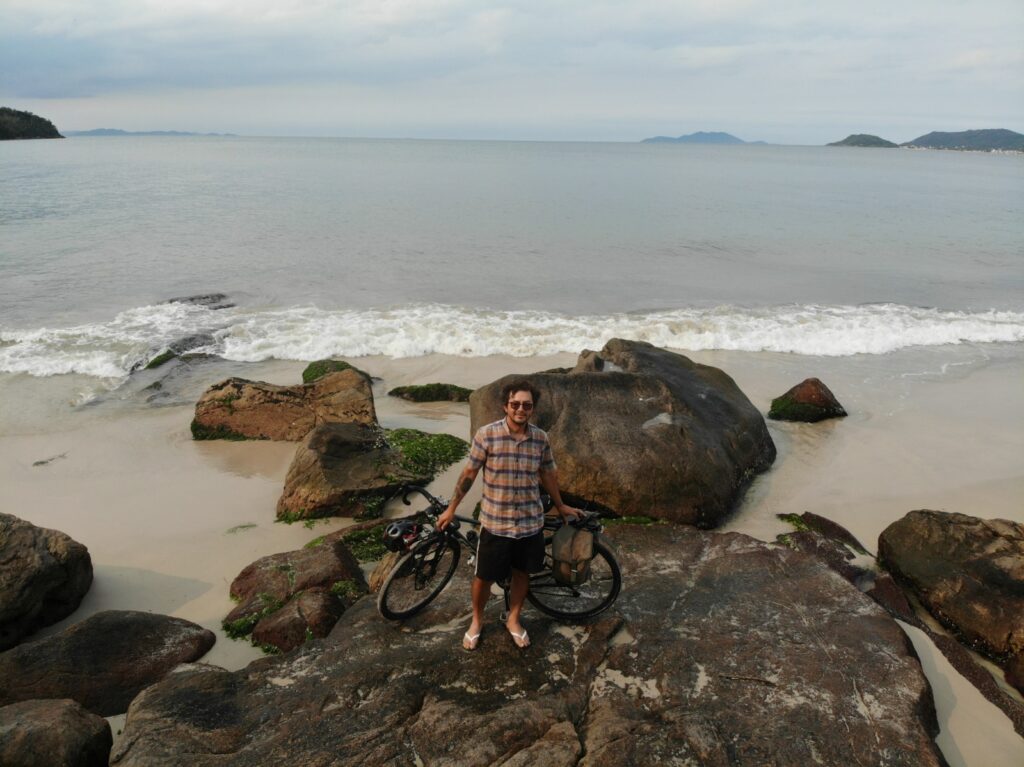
[(167, 520)]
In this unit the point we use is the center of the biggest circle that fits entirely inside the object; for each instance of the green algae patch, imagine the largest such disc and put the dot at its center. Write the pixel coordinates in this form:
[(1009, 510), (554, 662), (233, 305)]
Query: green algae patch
[(160, 359), (427, 454), (432, 392), (366, 545), (348, 591), (238, 629), (320, 368), (795, 520), (634, 519), (785, 409)]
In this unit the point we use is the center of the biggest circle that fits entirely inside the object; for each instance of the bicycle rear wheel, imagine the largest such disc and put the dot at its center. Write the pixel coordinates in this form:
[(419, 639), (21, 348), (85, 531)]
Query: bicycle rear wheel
[(585, 600), (418, 577)]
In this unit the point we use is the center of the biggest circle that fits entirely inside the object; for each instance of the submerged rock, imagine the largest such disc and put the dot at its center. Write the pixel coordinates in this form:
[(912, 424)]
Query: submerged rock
[(103, 661), (432, 392), (968, 572), (644, 431), (241, 409), (809, 401), (55, 733), (720, 650), (43, 576)]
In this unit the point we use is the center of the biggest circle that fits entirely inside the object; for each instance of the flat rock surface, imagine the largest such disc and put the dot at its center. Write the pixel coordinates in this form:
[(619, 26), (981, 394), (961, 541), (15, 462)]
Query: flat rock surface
[(968, 572), (55, 733), (721, 650), (43, 576), (644, 431), (241, 409), (103, 661)]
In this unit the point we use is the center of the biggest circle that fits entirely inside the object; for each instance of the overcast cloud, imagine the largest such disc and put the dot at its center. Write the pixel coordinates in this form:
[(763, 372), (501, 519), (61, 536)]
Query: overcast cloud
[(793, 72)]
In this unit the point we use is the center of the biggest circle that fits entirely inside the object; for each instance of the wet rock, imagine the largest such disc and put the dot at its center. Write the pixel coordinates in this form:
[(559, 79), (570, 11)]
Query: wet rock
[(241, 409), (1015, 671), (310, 613), (643, 431), (808, 401), (209, 300), (720, 650), (320, 368), (103, 661), (968, 572), (432, 392), (345, 470), (270, 592), (55, 733), (43, 576)]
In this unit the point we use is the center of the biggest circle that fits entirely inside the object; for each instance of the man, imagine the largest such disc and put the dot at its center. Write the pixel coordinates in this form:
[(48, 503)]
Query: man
[(515, 456)]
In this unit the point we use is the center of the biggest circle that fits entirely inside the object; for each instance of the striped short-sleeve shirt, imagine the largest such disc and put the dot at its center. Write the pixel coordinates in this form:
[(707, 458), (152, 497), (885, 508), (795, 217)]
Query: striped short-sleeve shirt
[(511, 505)]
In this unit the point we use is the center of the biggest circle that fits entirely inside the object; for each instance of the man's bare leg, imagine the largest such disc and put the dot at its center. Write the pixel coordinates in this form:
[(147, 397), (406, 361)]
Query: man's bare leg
[(481, 591), (516, 596)]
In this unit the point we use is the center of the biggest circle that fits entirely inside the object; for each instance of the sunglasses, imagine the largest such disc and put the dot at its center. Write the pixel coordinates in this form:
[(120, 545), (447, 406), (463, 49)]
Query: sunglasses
[(516, 405)]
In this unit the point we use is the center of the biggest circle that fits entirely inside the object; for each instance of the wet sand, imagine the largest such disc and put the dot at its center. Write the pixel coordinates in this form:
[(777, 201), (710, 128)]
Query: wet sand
[(170, 522)]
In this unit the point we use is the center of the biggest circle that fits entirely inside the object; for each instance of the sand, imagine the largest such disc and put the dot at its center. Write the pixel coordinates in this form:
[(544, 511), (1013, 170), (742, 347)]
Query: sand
[(170, 522)]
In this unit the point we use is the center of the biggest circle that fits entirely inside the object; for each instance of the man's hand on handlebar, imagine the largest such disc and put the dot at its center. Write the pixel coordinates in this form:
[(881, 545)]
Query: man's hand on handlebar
[(446, 518), (569, 514)]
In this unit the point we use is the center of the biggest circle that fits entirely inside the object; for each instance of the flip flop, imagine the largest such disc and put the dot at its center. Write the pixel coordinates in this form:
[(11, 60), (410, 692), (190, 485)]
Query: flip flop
[(522, 640), (470, 641)]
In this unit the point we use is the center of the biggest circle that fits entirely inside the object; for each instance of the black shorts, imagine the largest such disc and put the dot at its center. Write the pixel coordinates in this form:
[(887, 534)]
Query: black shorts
[(497, 556)]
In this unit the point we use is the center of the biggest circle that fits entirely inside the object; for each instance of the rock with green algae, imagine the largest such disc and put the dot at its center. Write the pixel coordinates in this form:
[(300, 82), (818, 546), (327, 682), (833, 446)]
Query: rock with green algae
[(320, 368), (809, 401), (432, 392)]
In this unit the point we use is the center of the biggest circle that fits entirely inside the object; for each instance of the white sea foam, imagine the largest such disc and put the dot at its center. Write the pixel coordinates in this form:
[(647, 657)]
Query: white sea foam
[(112, 349)]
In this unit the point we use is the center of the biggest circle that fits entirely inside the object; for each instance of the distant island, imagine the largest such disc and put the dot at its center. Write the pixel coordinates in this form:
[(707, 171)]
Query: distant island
[(977, 140), (700, 137), (991, 140), (15, 124), (119, 132), (864, 139)]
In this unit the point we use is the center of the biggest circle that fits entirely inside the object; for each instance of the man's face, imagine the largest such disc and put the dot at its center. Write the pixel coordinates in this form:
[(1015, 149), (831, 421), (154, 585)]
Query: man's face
[(519, 407)]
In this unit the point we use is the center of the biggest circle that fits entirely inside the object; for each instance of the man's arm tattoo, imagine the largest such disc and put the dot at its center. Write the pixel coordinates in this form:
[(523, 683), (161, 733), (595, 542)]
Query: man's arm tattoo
[(461, 488)]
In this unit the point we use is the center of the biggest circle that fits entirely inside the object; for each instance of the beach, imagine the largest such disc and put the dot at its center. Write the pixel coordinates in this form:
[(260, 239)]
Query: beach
[(169, 522)]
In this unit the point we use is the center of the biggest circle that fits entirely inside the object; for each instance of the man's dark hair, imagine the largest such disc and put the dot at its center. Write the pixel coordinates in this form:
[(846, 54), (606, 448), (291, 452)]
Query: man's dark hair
[(521, 385)]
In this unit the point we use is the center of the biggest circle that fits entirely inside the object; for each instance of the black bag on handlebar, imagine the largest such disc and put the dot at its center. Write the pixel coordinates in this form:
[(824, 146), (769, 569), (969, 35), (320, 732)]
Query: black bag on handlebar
[(572, 549)]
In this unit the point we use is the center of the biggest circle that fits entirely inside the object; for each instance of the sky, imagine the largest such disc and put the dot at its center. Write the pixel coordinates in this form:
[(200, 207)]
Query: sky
[(785, 72)]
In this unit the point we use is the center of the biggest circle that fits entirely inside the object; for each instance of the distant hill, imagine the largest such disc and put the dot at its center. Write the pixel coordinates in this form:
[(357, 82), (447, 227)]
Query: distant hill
[(864, 139), (18, 125), (979, 140), (700, 137), (119, 132)]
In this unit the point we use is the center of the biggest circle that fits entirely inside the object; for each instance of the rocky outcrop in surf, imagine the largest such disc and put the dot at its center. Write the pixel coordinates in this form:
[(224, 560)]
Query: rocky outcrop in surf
[(809, 401), (241, 409), (665, 676), (44, 575), (103, 661), (644, 431)]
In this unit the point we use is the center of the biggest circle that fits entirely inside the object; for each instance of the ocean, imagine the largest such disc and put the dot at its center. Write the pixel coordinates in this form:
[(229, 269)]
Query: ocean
[(404, 248)]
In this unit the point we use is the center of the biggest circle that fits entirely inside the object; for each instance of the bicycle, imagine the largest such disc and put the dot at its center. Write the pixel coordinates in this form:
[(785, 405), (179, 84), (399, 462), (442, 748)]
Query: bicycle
[(431, 556)]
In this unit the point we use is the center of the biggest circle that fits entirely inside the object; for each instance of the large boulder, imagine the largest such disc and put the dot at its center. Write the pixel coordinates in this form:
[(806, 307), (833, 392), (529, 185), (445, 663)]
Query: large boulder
[(345, 469), (43, 576), (56, 733), (809, 401), (103, 661), (643, 431), (283, 596), (968, 572), (720, 650), (241, 409)]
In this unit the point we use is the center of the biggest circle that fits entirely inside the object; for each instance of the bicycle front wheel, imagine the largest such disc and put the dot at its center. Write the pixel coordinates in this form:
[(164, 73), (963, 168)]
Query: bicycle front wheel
[(418, 578), (580, 602)]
